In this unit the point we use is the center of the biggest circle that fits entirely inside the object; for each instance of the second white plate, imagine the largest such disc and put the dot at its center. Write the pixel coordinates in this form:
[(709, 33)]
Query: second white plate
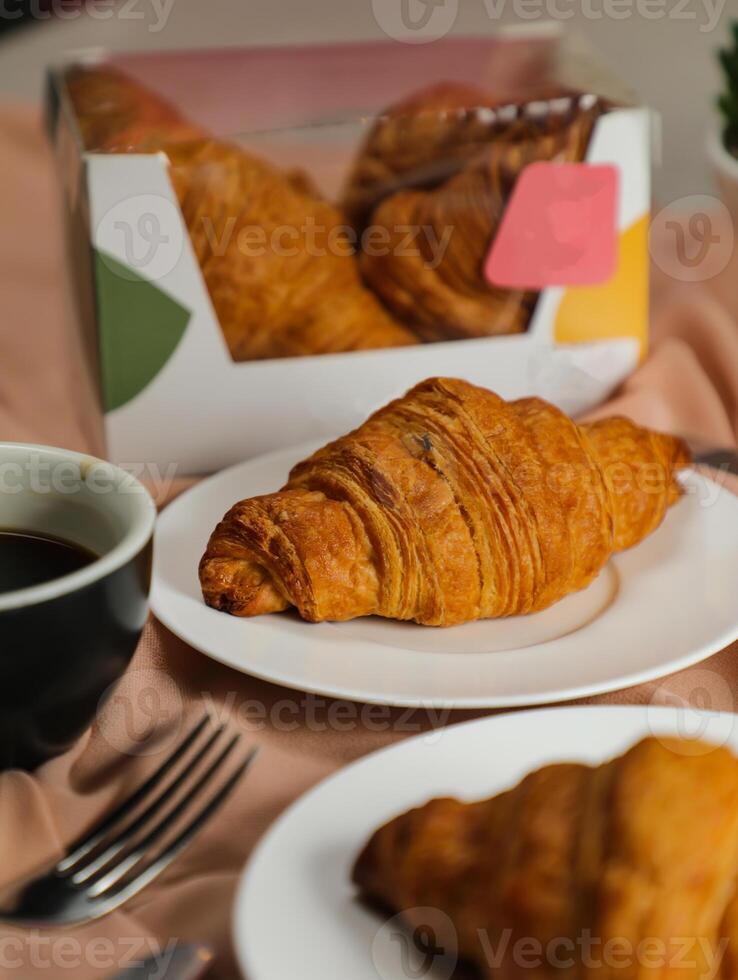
[(296, 913), (665, 604)]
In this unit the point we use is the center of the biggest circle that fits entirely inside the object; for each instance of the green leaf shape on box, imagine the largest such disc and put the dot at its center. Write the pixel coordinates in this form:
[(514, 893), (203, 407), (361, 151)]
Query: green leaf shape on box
[(140, 327)]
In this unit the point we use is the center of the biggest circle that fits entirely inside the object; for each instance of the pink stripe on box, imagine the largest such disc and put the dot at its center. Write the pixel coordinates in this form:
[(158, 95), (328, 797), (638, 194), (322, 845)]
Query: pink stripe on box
[(559, 228)]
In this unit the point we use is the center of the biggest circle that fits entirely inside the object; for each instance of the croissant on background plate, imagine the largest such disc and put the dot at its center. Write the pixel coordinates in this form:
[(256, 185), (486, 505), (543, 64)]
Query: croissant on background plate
[(640, 850), (280, 271), (448, 505), (484, 150)]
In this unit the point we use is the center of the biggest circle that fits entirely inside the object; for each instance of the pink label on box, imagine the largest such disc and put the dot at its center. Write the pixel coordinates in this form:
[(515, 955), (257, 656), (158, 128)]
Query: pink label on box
[(559, 228)]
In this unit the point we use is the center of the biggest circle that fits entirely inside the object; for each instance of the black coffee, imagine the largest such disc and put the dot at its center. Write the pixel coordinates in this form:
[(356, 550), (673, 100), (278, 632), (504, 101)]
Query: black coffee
[(29, 559)]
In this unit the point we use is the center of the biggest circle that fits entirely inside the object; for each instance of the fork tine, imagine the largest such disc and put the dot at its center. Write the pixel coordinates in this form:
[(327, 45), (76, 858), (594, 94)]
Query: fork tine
[(88, 842), (101, 860), (166, 857), (134, 855)]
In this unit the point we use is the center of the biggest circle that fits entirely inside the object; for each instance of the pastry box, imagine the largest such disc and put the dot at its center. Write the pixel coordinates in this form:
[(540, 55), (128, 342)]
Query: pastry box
[(267, 244)]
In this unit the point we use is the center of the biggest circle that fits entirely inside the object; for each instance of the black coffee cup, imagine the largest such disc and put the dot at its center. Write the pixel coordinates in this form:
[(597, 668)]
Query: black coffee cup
[(65, 642)]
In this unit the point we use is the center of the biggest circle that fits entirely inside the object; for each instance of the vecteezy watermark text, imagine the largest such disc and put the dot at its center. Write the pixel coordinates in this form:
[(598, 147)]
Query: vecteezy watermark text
[(425, 942), (424, 21), (705, 13), (145, 714), (317, 240), (692, 239), (154, 12), (147, 233), (66, 477), (39, 951)]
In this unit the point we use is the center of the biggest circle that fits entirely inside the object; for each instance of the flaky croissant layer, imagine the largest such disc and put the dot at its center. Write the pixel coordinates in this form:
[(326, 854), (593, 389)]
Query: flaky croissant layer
[(448, 505)]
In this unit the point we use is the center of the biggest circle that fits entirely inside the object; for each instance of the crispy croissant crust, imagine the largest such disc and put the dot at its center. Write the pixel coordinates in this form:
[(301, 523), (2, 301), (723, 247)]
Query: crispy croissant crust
[(642, 848), (437, 286), (276, 259), (447, 505)]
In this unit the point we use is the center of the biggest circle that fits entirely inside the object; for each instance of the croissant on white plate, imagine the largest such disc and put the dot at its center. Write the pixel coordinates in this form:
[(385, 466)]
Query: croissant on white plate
[(448, 505), (626, 870)]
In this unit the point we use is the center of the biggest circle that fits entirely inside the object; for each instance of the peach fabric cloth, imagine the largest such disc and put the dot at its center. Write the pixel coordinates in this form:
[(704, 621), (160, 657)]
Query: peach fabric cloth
[(688, 384)]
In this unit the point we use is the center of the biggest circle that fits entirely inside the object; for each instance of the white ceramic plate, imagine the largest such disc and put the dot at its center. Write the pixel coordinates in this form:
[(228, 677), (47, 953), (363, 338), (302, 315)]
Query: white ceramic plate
[(667, 603), (296, 914)]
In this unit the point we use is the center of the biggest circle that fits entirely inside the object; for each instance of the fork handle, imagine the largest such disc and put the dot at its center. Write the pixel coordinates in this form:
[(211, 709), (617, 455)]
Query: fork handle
[(725, 460)]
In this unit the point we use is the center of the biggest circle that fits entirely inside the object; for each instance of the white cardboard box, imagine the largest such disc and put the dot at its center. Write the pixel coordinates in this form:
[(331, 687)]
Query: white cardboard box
[(172, 393)]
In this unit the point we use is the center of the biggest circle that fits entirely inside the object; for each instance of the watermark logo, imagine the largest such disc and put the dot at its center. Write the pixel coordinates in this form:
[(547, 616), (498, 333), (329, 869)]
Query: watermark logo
[(145, 234), (692, 239), (415, 21), (422, 941), (698, 712), (143, 714)]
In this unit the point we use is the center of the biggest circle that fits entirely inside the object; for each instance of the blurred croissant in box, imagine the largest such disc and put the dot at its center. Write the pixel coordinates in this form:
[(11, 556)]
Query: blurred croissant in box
[(446, 162), (276, 296), (431, 183)]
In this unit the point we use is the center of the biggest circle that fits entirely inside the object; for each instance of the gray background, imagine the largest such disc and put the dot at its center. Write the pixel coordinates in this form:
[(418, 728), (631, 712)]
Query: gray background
[(662, 48)]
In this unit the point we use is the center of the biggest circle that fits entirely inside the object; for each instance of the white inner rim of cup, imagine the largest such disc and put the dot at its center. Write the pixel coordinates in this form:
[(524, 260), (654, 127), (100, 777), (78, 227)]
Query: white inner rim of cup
[(79, 498)]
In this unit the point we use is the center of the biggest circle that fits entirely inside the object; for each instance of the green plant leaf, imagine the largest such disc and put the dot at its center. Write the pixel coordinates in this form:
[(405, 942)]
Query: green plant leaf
[(727, 102)]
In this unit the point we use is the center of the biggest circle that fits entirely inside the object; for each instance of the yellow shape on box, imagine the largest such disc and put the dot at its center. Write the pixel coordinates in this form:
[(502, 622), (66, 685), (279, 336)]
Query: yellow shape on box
[(617, 308)]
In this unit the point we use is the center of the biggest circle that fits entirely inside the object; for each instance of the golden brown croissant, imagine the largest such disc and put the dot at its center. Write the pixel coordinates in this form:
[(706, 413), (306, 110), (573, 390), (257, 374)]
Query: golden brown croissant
[(422, 139), (426, 138), (438, 286), (277, 261), (115, 114), (643, 849), (447, 505)]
